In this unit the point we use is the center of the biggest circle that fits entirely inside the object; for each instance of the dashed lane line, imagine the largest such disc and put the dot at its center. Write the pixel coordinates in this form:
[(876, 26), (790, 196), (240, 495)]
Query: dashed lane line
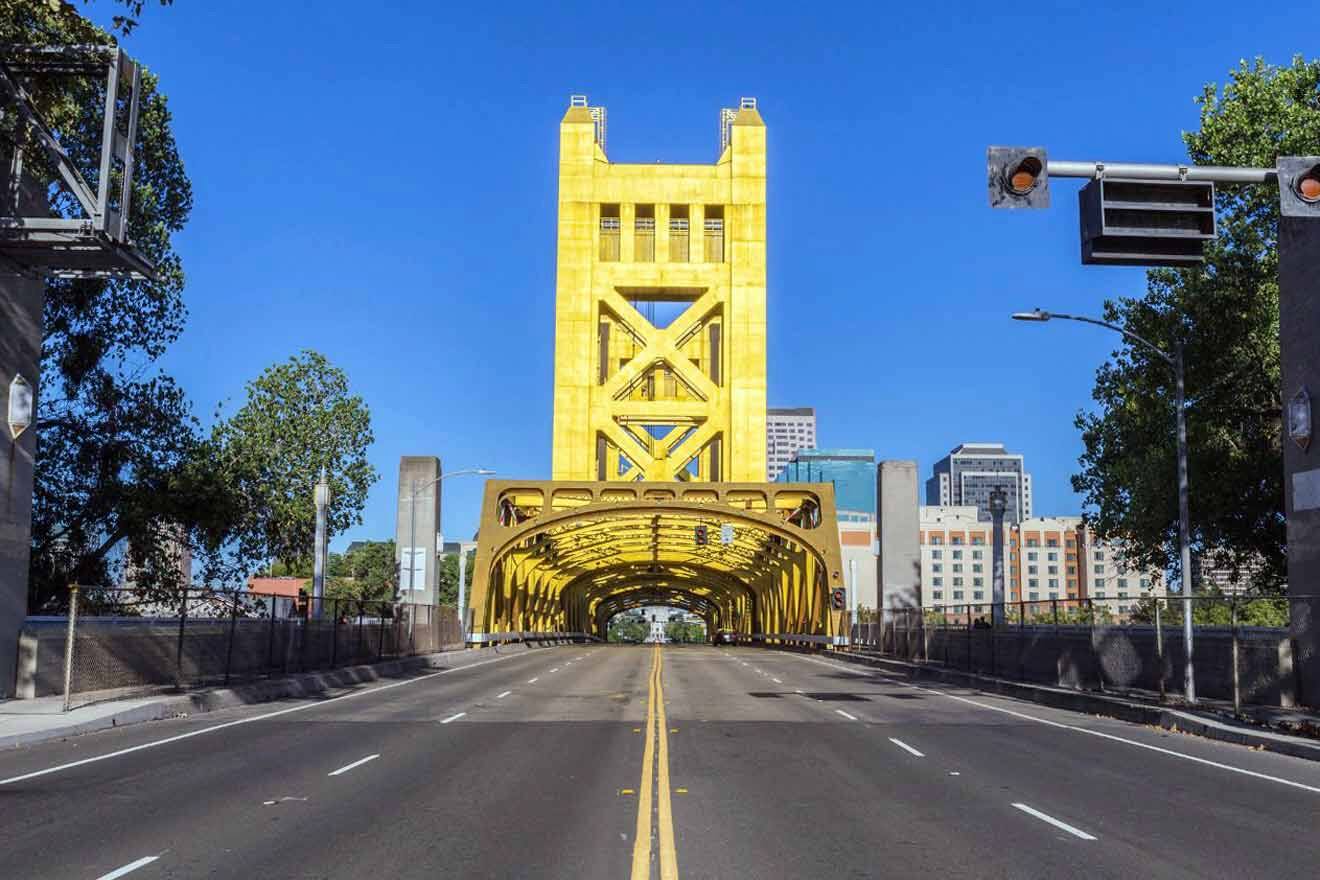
[(1086, 730), (357, 763), (846, 715), (1075, 832), (503, 695), (533, 680), (276, 714), (130, 867), (453, 717), (905, 747)]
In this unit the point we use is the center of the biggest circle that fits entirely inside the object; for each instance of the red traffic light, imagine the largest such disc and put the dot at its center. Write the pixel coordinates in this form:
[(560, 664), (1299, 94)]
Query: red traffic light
[(1022, 177), (1308, 185)]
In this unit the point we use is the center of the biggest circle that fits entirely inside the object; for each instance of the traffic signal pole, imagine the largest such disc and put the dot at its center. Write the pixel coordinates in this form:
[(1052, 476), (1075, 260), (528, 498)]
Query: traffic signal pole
[(1019, 178)]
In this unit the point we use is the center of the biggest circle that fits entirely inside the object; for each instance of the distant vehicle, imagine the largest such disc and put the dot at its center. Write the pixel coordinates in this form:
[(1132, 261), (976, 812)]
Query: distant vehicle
[(725, 637)]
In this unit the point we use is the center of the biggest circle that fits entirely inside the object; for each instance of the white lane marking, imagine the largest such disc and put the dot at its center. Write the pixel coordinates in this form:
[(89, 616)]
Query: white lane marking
[(131, 866), (1101, 734), (533, 680), (316, 705), (556, 669), (905, 747), (503, 695), (1075, 832), (453, 717), (357, 763), (846, 715), (776, 681)]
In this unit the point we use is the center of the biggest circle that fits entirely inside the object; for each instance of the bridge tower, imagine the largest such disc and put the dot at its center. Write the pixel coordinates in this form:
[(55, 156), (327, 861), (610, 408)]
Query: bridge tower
[(660, 324)]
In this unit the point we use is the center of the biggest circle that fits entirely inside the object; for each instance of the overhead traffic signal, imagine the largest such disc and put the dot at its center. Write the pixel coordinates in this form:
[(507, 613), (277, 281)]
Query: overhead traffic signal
[(1018, 177), (1127, 222), (1299, 186), (702, 535)]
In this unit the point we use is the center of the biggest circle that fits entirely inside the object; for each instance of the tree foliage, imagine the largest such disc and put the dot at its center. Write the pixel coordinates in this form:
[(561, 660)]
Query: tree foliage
[(628, 628), (299, 417), (116, 439), (368, 570), (447, 592), (1226, 314)]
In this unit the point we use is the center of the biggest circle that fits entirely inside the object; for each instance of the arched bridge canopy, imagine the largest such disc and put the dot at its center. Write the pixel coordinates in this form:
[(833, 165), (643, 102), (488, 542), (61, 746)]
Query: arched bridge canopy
[(556, 556)]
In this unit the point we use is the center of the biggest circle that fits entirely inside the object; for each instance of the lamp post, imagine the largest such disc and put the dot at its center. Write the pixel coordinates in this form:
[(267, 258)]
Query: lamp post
[(1184, 528), (417, 488)]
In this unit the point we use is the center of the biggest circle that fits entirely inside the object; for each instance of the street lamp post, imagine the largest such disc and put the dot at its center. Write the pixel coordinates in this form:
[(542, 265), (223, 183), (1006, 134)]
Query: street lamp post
[(412, 513), (1184, 518)]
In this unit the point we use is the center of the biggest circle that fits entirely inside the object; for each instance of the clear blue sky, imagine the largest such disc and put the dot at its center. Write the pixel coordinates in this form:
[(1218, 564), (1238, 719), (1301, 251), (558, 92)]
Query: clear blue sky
[(377, 181)]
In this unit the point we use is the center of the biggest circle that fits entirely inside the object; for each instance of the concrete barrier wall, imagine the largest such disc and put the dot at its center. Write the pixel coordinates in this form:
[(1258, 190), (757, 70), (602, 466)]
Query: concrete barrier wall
[(1114, 657), (114, 653)]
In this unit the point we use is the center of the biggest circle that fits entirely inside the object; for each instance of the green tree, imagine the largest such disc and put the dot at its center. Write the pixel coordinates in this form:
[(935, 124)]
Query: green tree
[(1227, 315), (117, 444), (685, 632), (628, 628), (299, 417), (369, 571), (447, 592)]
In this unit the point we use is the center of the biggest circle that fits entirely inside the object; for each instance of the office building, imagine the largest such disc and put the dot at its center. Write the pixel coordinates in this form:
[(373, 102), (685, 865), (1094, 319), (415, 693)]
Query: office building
[(966, 476), (852, 472), (788, 430)]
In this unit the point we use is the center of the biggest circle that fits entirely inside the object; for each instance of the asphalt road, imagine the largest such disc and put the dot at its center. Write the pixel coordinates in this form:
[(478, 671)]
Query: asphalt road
[(617, 762)]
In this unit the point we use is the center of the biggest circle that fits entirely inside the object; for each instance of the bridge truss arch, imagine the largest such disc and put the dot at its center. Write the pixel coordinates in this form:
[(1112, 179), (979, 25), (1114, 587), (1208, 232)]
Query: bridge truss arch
[(556, 556)]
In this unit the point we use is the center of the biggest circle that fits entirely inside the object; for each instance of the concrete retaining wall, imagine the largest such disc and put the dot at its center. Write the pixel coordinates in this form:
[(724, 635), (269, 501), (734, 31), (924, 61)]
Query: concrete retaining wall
[(1117, 657)]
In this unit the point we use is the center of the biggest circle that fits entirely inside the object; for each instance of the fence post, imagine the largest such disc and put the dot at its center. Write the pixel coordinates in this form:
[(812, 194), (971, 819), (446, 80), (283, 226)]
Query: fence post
[(1237, 691), (1095, 652), (1022, 639), (1159, 648), (68, 644), (994, 640), (178, 649), (233, 622), (334, 635), (969, 637), (380, 643), (270, 639)]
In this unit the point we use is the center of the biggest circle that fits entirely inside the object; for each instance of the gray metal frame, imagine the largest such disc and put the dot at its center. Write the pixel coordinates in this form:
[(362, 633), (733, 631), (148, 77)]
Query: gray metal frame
[(95, 245)]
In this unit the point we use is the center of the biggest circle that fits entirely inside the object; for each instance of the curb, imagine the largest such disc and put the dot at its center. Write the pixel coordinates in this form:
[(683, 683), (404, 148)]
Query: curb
[(1175, 720), (301, 685)]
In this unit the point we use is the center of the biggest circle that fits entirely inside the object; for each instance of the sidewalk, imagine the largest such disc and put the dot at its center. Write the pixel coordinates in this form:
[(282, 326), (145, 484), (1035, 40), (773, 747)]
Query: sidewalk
[(24, 722), (1293, 732)]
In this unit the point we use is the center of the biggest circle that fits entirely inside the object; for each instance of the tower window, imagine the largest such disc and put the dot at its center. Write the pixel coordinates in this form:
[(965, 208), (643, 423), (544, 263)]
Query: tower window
[(678, 233), (609, 233), (644, 234), (714, 224)]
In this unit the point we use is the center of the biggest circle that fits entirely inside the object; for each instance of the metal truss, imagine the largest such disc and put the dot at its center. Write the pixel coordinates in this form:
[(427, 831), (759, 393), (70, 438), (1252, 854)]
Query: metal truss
[(566, 556), (95, 244)]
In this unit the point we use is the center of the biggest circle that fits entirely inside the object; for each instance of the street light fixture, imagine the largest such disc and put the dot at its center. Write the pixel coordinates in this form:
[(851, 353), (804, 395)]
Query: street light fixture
[(1184, 527)]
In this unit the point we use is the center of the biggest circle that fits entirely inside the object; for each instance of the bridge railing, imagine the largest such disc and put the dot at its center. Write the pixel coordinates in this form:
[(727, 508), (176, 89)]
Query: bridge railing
[(115, 643), (1242, 647)]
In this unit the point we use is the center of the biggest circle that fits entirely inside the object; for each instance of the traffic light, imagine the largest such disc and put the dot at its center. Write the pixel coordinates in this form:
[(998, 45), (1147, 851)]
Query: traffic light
[(702, 535), (1146, 222), (1018, 177), (838, 599), (1299, 186)]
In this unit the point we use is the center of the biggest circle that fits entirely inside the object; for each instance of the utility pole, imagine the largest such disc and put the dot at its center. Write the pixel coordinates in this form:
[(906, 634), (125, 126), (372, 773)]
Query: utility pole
[(998, 504)]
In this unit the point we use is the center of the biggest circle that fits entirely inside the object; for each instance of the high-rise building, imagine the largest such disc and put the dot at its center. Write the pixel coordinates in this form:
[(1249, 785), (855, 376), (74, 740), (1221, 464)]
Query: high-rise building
[(966, 476), (788, 430), (660, 309), (852, 473)]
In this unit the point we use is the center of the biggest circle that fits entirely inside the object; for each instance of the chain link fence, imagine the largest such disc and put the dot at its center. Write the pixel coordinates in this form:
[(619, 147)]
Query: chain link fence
[(116, 643), (1242, 651)]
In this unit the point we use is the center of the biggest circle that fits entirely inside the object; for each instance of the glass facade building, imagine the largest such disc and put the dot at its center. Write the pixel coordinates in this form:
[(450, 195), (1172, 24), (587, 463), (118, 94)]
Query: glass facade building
[(852, 471)]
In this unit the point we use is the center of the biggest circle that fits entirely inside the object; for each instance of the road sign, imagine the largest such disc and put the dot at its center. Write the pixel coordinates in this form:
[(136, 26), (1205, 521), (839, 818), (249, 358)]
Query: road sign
[(726, 533)]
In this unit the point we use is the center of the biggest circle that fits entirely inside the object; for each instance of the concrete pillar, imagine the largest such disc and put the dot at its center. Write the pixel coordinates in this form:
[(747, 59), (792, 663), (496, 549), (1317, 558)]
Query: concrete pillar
[(898, 561), (20, 355), (417, 522)]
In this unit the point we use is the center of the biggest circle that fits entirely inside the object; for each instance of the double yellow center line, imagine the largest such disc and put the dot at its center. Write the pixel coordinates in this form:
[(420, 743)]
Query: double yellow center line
[(655, 775)]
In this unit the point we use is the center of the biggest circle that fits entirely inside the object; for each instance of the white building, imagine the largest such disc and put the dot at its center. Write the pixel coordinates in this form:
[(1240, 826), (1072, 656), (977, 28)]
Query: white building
[(1045, 558), (787, 431)]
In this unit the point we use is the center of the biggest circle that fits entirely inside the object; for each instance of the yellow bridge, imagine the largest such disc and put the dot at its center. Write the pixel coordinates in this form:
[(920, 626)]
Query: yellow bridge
[(659, 456)]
